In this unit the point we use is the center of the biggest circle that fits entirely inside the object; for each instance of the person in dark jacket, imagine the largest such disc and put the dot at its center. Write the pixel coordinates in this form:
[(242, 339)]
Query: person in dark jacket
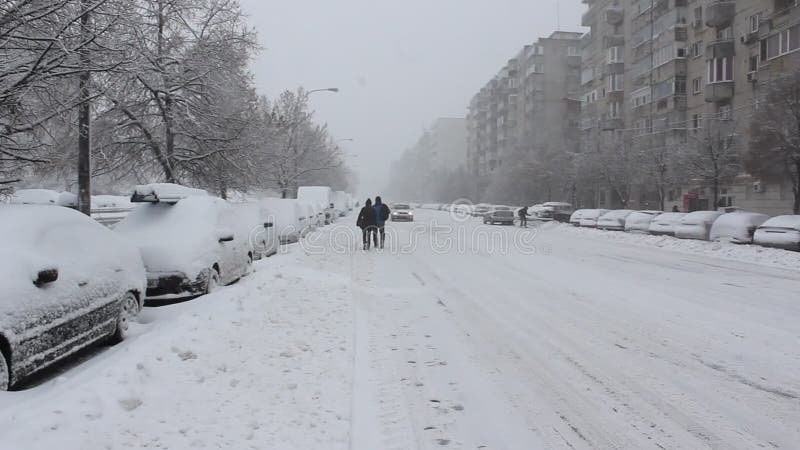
[(523, 217), (366, 221), (382, 213)]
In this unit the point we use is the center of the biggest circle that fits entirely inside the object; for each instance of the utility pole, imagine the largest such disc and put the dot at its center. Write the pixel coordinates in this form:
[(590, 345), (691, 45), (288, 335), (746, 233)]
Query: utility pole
[(84, 115)]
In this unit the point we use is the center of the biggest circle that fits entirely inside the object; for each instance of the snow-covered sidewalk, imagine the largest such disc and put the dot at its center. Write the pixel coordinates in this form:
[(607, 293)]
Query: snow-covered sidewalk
[(264, 363)]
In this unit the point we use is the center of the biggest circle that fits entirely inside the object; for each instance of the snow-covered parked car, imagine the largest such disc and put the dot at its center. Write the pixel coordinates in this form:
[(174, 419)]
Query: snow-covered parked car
[(323, 195), (697, 225), (590, 217), (737, 227), (558, 211), (189, 245), (575, 217), (614, 220), (67, 282), (44, 197), (110, 209), (257, 225), (308, 216), (664, 224), (287, 214), (639, 221), (780, 232)]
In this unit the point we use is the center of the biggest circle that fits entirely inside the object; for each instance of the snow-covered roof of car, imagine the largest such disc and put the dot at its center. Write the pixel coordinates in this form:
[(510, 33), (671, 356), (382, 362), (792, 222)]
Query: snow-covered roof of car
[(164, 192), (44, 197), (617, 213), (736, 224), (787, 221), (669, 217), (694, 218)]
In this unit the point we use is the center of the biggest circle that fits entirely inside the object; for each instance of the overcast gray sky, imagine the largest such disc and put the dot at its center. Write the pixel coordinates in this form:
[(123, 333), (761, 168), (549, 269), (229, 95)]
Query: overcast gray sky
[(399, 65)]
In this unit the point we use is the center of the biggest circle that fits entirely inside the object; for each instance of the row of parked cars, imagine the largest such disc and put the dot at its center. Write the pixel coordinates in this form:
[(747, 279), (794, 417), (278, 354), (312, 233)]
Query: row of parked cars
[(740, 227), (69, 281)]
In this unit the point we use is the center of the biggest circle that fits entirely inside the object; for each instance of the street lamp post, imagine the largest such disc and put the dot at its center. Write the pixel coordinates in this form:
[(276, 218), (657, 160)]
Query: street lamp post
[(322, 90)]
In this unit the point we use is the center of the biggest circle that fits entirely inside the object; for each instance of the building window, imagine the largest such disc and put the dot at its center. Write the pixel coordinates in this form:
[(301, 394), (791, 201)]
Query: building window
[(587, 75), (755, 21), (615, 55), (615, 83), (696, 50), (719, 69), (641, 97), (680, 84), (725, 34), (698, 14), (614, 110), (538, 50), (781, 43), (697, 85), (725, 112), (697, 121), (573, 51)]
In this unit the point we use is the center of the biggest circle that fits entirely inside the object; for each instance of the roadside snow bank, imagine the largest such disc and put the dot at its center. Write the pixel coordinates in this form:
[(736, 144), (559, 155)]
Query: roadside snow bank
[(265, 363), (739, 252)]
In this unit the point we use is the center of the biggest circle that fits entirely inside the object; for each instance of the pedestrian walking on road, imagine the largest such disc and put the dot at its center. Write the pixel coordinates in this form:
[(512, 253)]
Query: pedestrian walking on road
[(366, 221), (523, 217), (382, 213)]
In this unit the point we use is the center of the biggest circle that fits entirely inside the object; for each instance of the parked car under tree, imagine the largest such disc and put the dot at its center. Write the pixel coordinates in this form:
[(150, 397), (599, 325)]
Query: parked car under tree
[(190, 242), (68, 282)]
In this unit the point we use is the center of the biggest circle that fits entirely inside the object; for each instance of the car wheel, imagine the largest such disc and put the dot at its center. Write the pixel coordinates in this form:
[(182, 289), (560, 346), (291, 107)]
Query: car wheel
[(128, 309), (213, 281)]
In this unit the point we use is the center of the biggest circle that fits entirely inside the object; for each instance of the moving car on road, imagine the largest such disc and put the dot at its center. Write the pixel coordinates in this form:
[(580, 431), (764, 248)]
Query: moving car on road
[(696, 225), (67, 282), (402, 212), (501, 216), (190, 244), (614, 220), (780, 232), (737, 227)]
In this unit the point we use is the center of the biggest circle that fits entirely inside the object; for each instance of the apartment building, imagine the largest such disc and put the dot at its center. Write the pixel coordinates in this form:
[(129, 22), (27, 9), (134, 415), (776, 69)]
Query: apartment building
[(526, 106), (654, 71), (735, 48)]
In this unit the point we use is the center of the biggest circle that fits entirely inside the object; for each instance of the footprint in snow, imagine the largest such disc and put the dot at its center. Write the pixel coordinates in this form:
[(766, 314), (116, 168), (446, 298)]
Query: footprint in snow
[(129, 404)]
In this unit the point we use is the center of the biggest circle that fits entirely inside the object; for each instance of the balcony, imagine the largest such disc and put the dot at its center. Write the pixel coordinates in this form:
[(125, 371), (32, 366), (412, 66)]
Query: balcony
[(612, 123), (614, 40), (616, 96), (722, 48), (614, 15), (588, 18), (720, 14), (586, 40), (615, 68), (719, 92)]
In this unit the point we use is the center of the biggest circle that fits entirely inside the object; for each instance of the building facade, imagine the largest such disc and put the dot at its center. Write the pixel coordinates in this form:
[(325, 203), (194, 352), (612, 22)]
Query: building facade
[(655, 72), (525, 107)]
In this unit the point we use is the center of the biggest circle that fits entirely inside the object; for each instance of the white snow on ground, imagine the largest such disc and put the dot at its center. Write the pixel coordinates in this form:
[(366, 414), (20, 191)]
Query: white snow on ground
[(579, 340), (747, 253), (264, 363)]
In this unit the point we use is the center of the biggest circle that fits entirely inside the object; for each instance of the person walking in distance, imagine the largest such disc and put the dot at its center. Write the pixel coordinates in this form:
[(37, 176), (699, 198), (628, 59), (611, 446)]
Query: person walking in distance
[(523, 217), (366, 221), (381, 215)]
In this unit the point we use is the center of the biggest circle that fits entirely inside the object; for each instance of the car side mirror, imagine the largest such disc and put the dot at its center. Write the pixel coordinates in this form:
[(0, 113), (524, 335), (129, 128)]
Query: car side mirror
[(268, 225), (46, 276), (225, 236)]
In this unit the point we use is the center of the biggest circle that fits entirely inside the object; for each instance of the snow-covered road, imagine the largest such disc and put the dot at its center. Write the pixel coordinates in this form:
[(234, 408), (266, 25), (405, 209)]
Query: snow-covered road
[(451, 339)]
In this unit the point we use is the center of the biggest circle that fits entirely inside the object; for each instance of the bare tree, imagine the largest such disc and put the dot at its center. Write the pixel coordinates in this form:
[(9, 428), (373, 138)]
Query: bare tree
[(774, 150), (292, 146), (713, 155)]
